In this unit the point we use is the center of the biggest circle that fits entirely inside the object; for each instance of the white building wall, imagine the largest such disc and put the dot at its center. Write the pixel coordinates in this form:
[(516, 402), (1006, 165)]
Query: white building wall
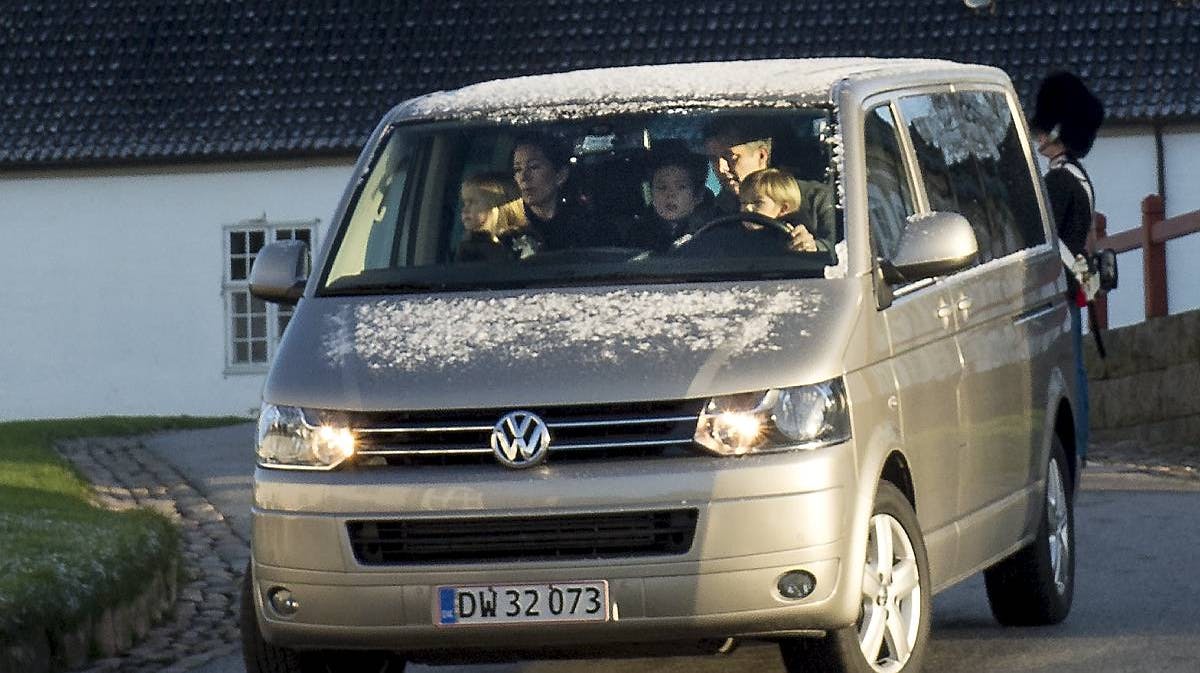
[(112, 299), (1181, 152), (1123, 166)]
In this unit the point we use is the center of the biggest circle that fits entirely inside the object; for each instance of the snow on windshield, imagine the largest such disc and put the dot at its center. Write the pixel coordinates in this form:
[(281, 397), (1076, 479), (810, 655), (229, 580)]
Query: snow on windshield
[(441, 333)]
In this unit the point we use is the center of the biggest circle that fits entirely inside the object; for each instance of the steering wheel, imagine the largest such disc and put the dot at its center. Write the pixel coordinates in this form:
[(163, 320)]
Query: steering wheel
[(756, 218)]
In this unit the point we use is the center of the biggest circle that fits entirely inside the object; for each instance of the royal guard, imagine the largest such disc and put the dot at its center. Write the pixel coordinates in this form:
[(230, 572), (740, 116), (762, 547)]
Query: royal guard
[(1066, 118)]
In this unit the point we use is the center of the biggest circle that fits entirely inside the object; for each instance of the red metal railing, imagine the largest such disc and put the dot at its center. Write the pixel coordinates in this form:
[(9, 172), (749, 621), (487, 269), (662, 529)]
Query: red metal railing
[(1152, 239)]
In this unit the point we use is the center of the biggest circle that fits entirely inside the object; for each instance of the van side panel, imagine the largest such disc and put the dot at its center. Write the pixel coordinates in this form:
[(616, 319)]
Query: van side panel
[(928, 370)]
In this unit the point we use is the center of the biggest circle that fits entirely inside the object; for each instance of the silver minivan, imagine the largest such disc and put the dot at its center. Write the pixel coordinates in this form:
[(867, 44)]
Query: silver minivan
[(526, 408)]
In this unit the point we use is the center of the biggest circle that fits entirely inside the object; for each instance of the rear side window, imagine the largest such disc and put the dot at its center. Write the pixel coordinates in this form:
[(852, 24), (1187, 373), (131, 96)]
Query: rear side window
[(973, 164), (1014, 201), (889, 197)]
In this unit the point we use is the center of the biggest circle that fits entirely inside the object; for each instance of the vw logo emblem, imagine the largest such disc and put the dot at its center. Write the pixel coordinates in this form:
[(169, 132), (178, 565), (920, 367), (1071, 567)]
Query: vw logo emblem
[(520, 439)]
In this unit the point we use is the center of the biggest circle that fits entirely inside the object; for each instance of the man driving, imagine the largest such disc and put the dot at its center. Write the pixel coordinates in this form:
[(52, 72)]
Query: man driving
[(737, 147)]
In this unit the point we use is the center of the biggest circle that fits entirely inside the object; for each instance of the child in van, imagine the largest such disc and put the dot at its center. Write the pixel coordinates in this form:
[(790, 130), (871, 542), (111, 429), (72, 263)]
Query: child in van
[(494, 219), (680, 203), (776, 194)]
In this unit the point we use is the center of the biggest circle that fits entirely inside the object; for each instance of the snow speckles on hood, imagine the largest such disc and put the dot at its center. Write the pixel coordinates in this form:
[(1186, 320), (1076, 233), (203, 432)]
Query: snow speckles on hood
[(439, 333)]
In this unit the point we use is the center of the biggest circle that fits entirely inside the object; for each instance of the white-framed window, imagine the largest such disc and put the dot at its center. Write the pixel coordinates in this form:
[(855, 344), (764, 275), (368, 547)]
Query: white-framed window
[(252, 326)]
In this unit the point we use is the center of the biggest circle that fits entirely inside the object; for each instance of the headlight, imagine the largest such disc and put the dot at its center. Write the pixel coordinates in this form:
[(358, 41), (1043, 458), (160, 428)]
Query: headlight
[(287, 440), (805, 417)]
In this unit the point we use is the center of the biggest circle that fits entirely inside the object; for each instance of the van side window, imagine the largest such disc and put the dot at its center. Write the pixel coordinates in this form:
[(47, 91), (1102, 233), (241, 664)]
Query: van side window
[(889, 197), (1013, 200), (945, 146), (972, 160)]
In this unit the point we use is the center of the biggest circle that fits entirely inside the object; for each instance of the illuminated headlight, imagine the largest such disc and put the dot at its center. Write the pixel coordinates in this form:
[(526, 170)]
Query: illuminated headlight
[(786, 419), (287, 440)]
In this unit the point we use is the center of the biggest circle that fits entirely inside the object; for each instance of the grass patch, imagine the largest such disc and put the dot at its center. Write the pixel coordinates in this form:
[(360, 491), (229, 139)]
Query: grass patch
[(61, 558)]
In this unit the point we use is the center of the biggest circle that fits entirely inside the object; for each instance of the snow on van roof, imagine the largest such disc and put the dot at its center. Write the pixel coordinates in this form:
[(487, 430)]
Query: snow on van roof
[(782, 82)]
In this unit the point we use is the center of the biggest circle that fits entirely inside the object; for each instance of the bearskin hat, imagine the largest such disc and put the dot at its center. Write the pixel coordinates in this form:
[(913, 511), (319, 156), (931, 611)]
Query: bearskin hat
[(1065, 109)]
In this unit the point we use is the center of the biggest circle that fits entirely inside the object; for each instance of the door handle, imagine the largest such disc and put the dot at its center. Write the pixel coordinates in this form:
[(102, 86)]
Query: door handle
[(944, 310)]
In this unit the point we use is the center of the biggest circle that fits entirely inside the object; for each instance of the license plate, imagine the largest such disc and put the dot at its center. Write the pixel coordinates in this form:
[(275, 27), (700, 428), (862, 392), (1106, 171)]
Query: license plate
[(521, 603)]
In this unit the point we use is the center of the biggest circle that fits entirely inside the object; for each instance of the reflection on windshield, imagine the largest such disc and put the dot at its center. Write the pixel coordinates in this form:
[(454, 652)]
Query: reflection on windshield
[(645, 199)]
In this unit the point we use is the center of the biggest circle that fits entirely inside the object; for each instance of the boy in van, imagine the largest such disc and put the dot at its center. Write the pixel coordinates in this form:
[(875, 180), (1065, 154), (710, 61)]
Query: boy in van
[(776, 194), (680, 203), (737, 147)]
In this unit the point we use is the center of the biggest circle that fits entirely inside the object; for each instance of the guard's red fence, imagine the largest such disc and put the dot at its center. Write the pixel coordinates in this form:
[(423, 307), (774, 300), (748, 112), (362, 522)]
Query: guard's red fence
[(1152, 239)]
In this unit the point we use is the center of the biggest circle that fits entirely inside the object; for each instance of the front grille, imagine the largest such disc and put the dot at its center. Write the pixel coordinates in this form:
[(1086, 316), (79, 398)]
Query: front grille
[(578, 432), (546, 538)]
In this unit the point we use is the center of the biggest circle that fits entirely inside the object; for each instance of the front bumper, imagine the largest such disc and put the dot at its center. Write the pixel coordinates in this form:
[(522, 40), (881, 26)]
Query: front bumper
[(759, 517)]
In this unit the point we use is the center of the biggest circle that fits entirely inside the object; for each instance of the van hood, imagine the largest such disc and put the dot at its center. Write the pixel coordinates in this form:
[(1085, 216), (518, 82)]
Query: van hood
[(563, 346)]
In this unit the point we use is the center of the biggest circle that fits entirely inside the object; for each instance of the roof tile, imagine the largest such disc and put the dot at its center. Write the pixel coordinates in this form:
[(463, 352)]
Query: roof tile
[(118, 80)]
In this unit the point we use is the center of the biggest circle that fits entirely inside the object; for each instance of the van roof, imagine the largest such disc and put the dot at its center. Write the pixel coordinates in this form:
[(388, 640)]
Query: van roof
[(602, 91)]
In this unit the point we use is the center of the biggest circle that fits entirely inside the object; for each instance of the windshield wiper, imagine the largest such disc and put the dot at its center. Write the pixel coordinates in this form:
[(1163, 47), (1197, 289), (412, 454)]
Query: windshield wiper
[(382, 288)]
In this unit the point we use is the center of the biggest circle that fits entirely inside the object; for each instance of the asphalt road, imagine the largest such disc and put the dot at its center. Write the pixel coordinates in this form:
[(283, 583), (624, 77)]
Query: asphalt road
[(1137, 597)]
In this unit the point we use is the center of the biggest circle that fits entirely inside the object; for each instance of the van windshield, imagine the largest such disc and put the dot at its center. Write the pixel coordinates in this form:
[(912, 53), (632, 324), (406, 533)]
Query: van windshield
[(617, 200)]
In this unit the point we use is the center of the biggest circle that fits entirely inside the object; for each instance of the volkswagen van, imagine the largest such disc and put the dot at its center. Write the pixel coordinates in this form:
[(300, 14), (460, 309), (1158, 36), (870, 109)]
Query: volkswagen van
[(582, 444)]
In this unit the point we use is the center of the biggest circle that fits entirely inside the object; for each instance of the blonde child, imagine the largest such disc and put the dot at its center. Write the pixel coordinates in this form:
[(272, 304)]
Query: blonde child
[(776, 194), (494, 219)]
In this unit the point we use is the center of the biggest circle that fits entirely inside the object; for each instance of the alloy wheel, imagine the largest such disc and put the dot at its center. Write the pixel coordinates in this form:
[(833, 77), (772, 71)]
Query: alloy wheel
[(1058, 525), (891, 600)]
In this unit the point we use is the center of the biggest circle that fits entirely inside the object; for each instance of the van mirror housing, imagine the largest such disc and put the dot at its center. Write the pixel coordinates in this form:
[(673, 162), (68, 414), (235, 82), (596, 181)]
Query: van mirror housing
[(935, 244), (280, 271)]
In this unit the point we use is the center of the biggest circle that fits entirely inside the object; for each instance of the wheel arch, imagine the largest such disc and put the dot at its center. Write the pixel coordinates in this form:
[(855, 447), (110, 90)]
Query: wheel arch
[(1064, 429), (896, 472), (1060, 414)]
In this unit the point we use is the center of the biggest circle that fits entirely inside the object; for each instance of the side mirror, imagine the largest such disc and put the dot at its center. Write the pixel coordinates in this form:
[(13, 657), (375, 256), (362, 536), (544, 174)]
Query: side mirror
[(933, 245), (280, 271)]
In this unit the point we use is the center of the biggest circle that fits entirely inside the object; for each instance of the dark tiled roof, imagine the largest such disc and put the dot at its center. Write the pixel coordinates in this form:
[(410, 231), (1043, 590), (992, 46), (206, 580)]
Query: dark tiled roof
[(86, 81)]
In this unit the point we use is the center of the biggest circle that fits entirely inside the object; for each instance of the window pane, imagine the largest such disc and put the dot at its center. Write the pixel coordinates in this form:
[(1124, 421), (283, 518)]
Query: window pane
[(889, 198), (946, 146), (237, 268), (240, 329), (239, 302), (1011, 176), (304, 235), (257, 238), (237, 242), (241, 352), (283, 234), (258, 306), (283, 322), (258, 327), (258, 351)]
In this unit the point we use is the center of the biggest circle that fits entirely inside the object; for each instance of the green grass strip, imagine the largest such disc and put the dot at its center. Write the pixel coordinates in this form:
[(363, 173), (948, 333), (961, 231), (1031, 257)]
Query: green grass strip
[(61, 558)]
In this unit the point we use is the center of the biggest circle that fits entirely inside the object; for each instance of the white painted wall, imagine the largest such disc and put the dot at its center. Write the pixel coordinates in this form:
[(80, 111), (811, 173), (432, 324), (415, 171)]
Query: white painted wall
[(1181, 150), (1124, 169), (111, 300), (1127, 304)]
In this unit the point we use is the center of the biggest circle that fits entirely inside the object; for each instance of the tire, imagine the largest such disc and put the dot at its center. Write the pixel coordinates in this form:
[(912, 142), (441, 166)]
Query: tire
[(1036, 585), (263, 657), (893, 622)]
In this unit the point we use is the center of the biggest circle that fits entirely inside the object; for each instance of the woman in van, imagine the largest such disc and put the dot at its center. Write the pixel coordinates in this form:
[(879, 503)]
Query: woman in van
[(541, 167)]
